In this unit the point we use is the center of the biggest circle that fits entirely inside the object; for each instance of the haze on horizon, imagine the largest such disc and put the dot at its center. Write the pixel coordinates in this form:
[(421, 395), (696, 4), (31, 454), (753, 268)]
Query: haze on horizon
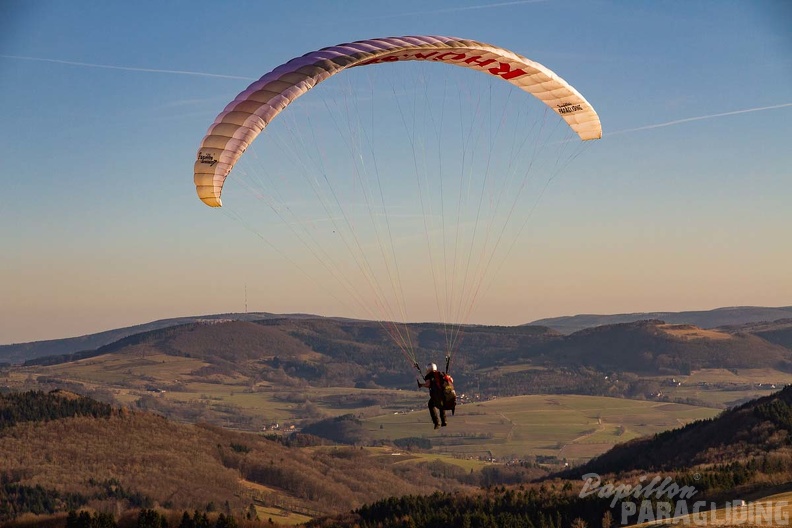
[(683, 205)]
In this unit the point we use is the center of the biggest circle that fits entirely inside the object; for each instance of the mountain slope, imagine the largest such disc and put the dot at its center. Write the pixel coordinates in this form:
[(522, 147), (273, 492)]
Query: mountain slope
[(498, 361), (778, 332), (703, 318), (654, 347), (322, 352), (756, 429), (125, 458), (20, 352)]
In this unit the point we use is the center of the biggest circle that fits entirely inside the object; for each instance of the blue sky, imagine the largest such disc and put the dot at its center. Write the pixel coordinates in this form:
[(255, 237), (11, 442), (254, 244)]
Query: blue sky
[(684, 204)]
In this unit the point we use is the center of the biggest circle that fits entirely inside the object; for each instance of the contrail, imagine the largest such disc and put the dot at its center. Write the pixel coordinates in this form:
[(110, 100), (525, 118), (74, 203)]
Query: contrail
[(216, 75), (700, 118), (127, 68), (485, 6)]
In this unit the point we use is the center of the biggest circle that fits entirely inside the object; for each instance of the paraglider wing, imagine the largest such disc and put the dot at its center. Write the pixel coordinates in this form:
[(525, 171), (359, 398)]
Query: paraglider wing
[(253, 109)]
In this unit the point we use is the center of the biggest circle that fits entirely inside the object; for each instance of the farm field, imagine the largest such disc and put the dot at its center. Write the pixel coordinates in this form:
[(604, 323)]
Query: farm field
[(725, 388), (569, 427)]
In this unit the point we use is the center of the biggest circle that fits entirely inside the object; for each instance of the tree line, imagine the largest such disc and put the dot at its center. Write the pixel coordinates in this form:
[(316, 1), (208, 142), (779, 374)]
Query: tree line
[(38, 406)]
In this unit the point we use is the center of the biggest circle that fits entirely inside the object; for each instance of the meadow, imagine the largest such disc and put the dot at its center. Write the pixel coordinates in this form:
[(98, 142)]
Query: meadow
[(571, 428)]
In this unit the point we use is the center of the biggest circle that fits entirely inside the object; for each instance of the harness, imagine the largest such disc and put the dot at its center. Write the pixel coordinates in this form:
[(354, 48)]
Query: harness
[(441, 390)]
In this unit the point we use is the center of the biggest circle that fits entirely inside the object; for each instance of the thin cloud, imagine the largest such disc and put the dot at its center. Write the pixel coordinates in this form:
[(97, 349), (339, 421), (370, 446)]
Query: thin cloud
[(127, 68), (700, 118)]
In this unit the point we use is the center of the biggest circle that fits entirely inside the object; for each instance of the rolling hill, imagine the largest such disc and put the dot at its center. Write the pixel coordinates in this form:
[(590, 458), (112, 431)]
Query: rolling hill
[(289, 356), (703, 319), (313, 345), (111, 459), (778, 332), (21, 352), (655, 347)]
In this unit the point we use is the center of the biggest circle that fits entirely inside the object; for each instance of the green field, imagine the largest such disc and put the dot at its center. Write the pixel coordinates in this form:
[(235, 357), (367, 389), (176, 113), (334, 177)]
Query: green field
[(726, 388), (571, 427)]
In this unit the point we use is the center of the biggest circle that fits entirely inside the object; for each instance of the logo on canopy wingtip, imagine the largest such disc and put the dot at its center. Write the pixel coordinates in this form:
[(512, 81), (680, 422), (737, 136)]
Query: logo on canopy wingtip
[(207, 159), (568, 108)]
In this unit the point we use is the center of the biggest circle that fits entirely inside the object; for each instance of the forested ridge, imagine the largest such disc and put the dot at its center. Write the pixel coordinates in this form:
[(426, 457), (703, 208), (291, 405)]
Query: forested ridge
[(38, 406), (53, 459), (334, 353)]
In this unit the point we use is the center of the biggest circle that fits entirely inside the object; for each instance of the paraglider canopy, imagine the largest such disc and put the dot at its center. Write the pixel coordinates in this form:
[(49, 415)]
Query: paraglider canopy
[(244, 118)]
